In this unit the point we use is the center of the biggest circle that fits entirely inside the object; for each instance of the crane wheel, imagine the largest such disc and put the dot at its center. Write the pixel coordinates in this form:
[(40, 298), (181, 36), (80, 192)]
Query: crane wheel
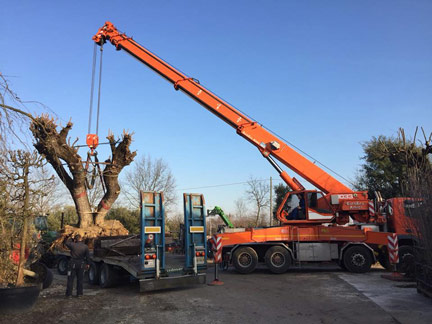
[(278, 259), (245, 259), (342, 265), (357, 258), (406, 260)]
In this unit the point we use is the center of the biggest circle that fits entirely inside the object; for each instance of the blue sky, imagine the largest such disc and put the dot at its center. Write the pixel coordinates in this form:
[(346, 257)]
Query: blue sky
[(325, 75)]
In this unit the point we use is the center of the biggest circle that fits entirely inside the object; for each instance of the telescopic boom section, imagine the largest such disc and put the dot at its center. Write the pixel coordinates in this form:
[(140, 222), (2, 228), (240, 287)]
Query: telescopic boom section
[(268, 144)]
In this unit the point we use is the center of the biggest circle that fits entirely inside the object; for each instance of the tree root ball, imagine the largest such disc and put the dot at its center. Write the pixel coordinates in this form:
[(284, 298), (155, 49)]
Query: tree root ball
[(88, 234)]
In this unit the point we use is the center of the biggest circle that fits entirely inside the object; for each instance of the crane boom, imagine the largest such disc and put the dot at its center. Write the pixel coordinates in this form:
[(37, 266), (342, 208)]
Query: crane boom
[(266, 142)]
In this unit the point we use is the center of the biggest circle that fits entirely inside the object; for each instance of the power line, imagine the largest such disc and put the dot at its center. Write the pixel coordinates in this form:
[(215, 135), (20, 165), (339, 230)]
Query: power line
[(309, 156), (225, 184)]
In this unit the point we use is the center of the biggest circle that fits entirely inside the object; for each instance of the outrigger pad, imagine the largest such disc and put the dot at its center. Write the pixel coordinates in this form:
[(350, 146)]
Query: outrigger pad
[(172, 282)]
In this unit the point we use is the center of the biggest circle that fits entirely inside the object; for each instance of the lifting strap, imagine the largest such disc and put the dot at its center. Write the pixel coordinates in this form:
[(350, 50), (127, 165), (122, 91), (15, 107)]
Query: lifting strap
[(96, 170), (92, 140)]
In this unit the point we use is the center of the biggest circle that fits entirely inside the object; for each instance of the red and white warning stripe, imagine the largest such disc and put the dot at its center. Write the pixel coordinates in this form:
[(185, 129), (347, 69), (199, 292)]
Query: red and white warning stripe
[(393, 248), (371, 208), (217, 248)]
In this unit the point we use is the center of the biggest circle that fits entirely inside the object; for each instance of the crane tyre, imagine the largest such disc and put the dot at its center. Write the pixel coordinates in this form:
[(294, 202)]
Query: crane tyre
[(62, 265), (383, 259), (406, 260), (245, 259), (342, 265), (107, 276), (93, 273), (357, 258), (278, 259)]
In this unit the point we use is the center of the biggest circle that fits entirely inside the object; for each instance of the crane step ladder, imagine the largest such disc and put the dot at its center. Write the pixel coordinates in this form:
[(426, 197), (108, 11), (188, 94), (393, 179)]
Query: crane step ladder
[(295, 236), (153, 274)]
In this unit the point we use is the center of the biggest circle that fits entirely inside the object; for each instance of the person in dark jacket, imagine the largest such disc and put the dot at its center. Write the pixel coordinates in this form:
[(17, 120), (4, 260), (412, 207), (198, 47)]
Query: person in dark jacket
[(80, 258), (298, 212)]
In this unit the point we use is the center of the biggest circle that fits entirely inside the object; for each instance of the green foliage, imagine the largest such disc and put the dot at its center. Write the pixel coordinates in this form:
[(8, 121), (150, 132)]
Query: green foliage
[(129, 218), (70, 218), (7, 268), (280, 191), (172, 224), (386, 166)]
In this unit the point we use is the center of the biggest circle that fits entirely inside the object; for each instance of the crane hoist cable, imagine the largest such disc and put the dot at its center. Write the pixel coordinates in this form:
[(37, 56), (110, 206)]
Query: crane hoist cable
[(92, 140)]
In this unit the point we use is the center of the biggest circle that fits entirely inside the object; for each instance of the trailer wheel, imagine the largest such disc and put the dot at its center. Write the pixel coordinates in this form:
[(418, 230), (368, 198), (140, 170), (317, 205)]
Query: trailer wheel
[(357, 258), (62, 265), (107, 276), (93, 273), (278, 259), (245, 259)]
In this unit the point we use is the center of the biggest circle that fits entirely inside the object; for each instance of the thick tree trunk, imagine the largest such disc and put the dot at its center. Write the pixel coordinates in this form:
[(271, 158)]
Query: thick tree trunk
[(82, 206)]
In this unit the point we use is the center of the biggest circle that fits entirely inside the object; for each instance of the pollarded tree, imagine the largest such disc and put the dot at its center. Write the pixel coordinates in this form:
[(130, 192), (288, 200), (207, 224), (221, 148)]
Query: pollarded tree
[(55, 146)]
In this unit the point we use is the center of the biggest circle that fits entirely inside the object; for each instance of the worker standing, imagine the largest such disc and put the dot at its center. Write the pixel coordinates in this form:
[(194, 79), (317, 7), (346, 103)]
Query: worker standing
[(79, 261)]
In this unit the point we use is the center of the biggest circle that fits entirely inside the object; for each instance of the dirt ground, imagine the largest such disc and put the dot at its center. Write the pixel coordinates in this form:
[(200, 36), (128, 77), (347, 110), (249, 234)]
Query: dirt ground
[(322, 294)]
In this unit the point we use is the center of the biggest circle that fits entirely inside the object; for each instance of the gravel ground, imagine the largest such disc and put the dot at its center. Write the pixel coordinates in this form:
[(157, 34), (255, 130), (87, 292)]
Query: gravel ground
[(311, 295)]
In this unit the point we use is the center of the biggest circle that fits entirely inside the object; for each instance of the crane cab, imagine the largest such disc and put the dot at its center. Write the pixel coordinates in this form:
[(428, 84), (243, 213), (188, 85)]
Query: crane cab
[(305, 206)]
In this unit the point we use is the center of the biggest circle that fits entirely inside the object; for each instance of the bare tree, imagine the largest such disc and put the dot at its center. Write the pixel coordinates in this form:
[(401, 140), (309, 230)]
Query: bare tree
[(173, 222), (48, 189), (241, 208), (12, 119), (258, 193), (419, 187), (15, 170), (150, 175)]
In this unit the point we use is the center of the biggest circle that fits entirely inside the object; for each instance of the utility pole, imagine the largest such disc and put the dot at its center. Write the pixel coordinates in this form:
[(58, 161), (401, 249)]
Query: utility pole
[(271, 202)]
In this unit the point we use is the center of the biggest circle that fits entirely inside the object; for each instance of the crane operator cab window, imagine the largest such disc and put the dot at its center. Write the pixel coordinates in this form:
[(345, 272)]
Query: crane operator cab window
[(295, 207), (310, 205), (318, 207)]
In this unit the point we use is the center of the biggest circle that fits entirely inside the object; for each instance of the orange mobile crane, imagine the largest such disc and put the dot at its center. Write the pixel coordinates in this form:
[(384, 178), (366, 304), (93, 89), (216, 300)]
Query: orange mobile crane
[(334, 223)]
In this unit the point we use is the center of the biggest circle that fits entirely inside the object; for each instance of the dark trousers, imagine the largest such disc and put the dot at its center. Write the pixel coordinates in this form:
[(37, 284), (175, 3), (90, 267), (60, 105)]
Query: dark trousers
[(75, 268)]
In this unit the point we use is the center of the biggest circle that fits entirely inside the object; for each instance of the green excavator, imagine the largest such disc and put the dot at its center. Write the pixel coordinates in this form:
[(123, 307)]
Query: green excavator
[(218, 211)]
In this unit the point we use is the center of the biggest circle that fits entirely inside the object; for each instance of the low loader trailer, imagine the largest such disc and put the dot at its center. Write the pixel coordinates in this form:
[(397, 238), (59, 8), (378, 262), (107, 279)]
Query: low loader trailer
[(143, 257)]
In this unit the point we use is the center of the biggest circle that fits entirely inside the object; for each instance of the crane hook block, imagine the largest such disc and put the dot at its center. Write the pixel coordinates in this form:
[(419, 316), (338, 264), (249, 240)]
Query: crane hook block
[(92, 141)]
